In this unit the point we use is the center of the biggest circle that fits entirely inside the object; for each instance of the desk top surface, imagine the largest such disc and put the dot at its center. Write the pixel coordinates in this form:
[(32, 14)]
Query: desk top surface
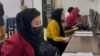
[(83, 44)]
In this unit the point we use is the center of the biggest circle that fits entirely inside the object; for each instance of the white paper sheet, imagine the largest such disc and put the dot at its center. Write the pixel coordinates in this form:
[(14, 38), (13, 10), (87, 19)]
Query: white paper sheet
[(77, 54), (83, 33), (84, 54), (68, 54)]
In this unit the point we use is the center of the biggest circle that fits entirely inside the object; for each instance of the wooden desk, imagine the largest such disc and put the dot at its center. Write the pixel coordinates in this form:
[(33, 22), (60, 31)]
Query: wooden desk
[(83, 44)]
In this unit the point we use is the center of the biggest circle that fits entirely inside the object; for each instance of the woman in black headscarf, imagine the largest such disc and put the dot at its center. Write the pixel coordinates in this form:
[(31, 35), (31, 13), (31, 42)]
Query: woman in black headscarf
[(28, 41), (29, 35), (55, 34)]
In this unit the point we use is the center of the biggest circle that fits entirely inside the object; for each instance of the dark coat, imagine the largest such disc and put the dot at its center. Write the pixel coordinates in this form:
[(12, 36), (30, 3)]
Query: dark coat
[(1, 15)]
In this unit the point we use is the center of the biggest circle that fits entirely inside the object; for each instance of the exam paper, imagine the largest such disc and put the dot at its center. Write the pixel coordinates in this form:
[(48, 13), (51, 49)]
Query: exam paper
[(84, 54), (77, 54), (83, 33), (68, 54)]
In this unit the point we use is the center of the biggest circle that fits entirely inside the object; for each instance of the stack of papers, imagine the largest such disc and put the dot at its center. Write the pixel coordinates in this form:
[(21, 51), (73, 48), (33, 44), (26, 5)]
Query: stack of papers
[(77, 54), (83, 33)]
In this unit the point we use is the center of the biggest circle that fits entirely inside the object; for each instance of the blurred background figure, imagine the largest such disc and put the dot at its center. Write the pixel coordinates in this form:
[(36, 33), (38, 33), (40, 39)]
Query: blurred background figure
[(23, 6), (72, 19), (68, 11), (2, 29), (55, 33)]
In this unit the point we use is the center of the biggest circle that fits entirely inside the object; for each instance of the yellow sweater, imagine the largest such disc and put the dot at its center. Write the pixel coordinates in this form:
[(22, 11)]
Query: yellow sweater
[(53, 31)]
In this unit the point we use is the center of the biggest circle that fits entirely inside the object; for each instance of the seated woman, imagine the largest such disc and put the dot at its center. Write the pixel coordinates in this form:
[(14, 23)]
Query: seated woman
[(73, 17), (28, 36), (55, 34)]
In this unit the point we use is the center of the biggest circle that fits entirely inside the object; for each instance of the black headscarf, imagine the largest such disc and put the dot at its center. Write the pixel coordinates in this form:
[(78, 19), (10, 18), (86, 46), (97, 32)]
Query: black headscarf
[(56, 15), (70, 9), (23, 21)]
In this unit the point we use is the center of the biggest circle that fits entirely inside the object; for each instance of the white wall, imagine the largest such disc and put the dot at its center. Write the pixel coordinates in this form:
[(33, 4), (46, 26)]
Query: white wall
[(58, 3), (99, 7), (96, 5), (38, 5), (84, 5), (12, 7)]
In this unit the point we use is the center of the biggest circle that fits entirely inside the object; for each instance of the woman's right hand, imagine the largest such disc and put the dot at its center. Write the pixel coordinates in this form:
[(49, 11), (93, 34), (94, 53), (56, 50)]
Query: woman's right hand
[(75, 28), (66, 39)]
